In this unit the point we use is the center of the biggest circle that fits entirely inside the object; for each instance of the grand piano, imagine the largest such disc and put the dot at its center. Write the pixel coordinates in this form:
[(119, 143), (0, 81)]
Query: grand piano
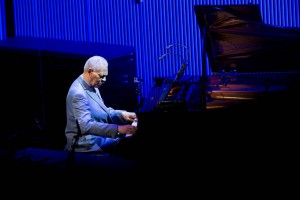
[(251, 83), (249, 61), (245, 127), (251, 65)]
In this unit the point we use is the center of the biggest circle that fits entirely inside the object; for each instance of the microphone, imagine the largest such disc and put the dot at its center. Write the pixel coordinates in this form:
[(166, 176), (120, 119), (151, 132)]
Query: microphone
[(171, 45), (183, 66), (185, 47), (184, 62), (164, 55)]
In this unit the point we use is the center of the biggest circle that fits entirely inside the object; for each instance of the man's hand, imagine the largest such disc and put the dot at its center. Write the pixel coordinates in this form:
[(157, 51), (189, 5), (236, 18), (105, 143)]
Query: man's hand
[(129, 116), (127, 129)]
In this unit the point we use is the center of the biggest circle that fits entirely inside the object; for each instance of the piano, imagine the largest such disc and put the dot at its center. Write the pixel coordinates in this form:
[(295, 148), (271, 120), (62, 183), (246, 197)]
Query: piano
[(250, 65), (250, 94), (249, 61), (247, 99), (253, 81)]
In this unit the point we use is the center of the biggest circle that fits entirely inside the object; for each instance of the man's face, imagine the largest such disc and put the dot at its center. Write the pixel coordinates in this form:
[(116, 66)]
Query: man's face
[(98, 77)]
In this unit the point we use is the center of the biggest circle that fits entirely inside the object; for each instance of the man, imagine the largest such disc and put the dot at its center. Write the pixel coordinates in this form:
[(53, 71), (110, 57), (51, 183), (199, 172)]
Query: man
[(91, 126)]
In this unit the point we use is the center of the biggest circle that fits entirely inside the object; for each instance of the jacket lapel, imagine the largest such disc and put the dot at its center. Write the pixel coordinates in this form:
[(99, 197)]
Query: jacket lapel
[(94, 94)]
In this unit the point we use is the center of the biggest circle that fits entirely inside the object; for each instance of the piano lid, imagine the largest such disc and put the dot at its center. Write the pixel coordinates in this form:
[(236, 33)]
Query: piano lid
[(237, 39)]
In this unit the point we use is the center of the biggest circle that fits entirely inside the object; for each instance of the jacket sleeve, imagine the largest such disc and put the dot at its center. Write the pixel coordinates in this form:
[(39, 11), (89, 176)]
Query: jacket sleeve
[(88, 125)]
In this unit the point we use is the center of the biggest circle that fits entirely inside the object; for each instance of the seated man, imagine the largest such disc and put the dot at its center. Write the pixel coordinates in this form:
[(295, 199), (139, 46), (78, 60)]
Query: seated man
[(91, 126)]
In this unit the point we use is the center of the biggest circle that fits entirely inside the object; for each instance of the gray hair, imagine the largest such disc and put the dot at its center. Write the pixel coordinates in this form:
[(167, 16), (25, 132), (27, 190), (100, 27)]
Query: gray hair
[(96, 63)]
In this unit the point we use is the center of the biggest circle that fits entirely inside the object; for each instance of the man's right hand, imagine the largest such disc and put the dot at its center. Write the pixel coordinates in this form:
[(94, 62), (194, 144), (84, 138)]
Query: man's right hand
[(127, 129)]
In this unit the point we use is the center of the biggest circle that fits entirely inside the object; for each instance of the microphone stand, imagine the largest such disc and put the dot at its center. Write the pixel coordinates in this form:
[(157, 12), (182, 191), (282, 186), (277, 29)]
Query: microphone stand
[(179, 74), (172, 45)]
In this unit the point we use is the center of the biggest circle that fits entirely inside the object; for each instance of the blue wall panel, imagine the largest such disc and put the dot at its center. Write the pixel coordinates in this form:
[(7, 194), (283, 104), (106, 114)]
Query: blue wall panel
[(2, 20), (148, 26)]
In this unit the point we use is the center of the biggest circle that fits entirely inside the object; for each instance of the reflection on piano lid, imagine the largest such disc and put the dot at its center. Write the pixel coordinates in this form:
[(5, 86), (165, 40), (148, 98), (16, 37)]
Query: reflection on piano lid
[(169, 96), (237, 39), (249, 60)]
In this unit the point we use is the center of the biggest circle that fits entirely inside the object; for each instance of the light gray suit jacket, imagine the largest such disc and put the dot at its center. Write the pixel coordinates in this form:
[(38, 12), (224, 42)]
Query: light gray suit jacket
[(98, 123)]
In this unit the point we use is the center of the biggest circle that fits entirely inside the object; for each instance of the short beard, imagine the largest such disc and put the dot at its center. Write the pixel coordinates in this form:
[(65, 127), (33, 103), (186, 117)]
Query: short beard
[(99, 84)]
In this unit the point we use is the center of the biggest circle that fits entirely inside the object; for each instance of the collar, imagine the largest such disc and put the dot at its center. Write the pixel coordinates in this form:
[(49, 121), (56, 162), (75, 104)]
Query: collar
[(86, 85)]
